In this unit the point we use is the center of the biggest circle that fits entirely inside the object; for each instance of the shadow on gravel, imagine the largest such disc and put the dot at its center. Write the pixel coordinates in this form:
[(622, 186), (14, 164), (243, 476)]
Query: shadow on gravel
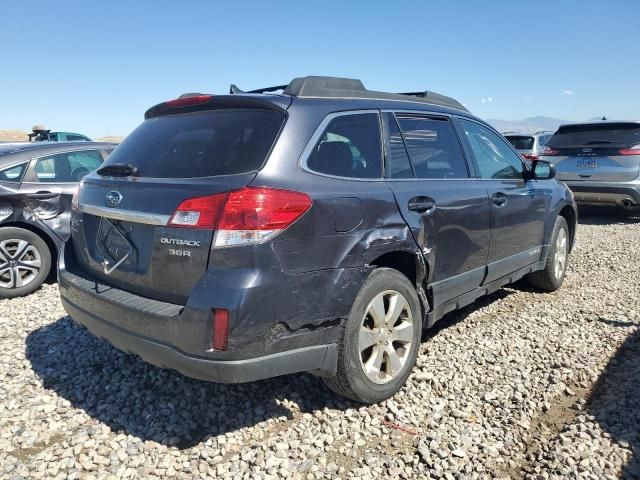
[(131, 396), (615, 401), (458, 316), (595, 215)]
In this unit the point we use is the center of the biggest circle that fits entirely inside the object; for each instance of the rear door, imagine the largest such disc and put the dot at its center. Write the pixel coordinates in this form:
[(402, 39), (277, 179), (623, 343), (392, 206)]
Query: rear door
[(52, 179), (446, 209), (518, 208), (121, 234), (599, 152)]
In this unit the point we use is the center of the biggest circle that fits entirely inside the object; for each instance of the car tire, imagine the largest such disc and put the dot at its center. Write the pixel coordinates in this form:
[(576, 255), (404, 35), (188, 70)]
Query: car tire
[(25, 262), (551, 277), (386, 314)]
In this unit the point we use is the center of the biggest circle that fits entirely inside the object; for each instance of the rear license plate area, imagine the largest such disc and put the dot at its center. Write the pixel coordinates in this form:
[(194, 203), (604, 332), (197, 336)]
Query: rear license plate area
[(111, 245), (587, 162)]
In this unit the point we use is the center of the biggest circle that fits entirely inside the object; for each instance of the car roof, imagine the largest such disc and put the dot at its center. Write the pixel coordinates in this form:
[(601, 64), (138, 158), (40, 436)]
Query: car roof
[(343, 93), (602, 122), (10, 152)]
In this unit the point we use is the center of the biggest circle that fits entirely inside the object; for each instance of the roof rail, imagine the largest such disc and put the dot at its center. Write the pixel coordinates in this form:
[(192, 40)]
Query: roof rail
[(335, 87)]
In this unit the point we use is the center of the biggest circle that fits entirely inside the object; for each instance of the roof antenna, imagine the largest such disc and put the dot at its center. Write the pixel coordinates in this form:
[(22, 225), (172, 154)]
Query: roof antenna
[(604, 118)]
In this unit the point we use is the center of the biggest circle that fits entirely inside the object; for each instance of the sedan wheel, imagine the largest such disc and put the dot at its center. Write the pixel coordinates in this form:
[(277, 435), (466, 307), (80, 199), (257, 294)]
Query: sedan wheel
[(20, 263)]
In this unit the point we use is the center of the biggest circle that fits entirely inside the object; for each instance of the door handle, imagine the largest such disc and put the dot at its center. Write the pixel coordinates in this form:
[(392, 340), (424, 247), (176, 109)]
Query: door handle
[(499, 199), (422, 204), (43, 195)]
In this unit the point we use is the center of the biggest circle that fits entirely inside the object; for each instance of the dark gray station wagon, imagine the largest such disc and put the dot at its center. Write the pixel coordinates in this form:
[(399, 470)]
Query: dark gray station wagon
[(249, 235)]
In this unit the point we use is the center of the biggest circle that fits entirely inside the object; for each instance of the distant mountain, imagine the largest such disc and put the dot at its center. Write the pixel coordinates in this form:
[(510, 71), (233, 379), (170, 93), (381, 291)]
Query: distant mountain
[(527, 125)]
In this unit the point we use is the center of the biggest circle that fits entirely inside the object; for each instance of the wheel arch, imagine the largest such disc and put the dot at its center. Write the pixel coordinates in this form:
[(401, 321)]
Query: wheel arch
[(413, 266)]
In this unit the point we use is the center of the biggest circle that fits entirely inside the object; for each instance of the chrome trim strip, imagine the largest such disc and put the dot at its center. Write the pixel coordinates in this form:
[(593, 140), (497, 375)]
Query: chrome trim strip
[(126, 215)]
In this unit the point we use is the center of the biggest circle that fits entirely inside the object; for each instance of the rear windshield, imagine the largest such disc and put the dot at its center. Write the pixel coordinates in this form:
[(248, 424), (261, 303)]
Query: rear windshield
[(521, 142), (200, 144), (615, 134)]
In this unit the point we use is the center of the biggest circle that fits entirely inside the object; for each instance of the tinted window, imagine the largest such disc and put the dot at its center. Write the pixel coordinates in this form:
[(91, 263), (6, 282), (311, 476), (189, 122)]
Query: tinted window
[(201, 144), (542, 140), (397, 163), (349, 147), (13, 174), (493, 155), (520, 142), (67, 167), (75, 138), (614, 134), (433, 147)]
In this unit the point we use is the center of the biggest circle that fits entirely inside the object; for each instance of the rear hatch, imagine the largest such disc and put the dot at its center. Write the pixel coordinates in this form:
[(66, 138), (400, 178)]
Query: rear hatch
[(602, 152), (123, 233)]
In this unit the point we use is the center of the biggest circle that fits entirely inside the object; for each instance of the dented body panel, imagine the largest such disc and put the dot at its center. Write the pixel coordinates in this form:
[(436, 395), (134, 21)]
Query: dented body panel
[(40, 204)]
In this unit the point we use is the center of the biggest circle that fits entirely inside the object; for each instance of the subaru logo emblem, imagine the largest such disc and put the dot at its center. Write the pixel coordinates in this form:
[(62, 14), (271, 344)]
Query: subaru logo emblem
[(113, 198)]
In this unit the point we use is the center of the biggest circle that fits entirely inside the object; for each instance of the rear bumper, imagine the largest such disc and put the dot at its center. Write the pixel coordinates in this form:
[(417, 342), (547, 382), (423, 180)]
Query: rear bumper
[(178, 337), (321, 358), (606, 193)]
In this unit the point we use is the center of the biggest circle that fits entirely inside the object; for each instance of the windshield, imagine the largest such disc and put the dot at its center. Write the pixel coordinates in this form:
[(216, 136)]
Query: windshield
[(610, 134), (200, 144)]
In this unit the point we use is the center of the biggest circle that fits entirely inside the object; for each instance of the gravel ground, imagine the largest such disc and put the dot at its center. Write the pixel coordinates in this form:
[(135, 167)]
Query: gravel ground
[(518, 385)]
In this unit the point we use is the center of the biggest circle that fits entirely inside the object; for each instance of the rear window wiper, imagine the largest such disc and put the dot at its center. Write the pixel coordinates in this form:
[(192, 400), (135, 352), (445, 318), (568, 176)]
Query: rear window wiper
[(118, 170)]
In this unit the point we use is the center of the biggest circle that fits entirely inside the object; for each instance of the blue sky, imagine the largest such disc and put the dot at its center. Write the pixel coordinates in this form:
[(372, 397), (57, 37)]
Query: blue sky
[(95, 69)]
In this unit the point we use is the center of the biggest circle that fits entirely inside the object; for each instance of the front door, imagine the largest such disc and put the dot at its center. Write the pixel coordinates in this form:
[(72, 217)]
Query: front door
[(518, 207)]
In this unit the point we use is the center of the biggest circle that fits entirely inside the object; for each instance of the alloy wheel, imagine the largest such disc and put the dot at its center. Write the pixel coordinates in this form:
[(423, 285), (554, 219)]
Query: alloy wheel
[(20, 263), (385, 337), (560, 257)]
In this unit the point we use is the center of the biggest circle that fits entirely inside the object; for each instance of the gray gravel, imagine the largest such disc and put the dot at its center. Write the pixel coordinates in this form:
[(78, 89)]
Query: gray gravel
[(518, 385)]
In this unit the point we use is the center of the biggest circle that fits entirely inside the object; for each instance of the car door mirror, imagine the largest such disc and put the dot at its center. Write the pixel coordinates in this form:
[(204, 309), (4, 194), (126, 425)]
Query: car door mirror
[(542, 170)]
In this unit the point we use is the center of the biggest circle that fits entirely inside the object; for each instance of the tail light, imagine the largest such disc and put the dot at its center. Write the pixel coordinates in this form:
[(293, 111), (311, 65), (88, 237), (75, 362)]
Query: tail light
[(530, 156), (199, 212), (548, 152), (254, 215), (220, 330), (246, 216), (635, 150)]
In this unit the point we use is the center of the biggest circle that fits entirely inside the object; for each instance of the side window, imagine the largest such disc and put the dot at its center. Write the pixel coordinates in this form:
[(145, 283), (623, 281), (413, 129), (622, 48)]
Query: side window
[(13, 174), (75, 138), (397, 163), (433, 147), (67, 167), (493, 155), (349, 147)]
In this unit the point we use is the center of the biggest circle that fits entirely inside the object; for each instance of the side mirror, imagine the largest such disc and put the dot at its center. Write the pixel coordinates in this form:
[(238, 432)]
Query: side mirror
[(542, 170)]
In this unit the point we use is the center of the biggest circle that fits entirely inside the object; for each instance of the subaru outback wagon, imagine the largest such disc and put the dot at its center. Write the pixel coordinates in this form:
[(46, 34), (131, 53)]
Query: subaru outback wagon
[(243, 236)]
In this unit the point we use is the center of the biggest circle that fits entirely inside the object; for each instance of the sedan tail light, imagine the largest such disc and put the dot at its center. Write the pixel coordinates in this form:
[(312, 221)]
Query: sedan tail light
[(635, 150), (548, 152)]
